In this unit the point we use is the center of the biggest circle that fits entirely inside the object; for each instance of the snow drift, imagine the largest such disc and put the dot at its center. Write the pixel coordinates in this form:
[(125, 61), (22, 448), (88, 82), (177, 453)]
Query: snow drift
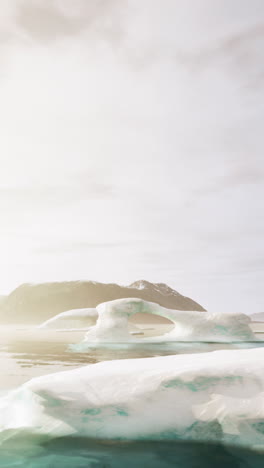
[(113, 321), (211, 396)]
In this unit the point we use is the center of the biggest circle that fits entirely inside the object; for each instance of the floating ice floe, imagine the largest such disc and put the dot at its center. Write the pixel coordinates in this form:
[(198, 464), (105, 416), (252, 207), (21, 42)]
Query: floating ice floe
[(209, 396), (112, 325)]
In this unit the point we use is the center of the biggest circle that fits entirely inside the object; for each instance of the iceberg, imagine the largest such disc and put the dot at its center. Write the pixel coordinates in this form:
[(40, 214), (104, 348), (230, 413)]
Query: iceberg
[(210, 396), (78, 319), (112, 325), (71, 319)]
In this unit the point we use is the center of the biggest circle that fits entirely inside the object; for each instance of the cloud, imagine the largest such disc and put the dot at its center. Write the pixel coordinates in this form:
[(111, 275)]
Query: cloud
[(79, 246), (237, 45), (27, 23), (131, 141), (238, 175), (51, 20), (248, 265), (46, 197), (46, 21), (137, 33)]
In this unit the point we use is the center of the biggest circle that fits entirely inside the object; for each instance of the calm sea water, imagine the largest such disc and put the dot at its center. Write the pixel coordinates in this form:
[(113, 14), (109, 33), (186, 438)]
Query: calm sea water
[(29, 352), (26, 353), (82, 453)]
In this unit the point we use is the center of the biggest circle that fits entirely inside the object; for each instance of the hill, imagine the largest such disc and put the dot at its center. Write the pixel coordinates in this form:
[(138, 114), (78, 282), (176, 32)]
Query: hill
[(34, 303)]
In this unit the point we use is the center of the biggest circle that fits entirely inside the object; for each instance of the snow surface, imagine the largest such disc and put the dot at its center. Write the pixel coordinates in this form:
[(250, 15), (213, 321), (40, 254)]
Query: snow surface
[(113, 324), (208, 396)]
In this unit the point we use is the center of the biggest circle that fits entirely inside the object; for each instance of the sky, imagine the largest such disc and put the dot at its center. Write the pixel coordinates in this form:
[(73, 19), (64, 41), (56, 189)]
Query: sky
[(131, 145)]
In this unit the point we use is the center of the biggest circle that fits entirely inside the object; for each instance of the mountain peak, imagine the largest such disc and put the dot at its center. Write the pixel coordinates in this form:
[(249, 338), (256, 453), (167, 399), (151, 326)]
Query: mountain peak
[(140, 284), (162, 288)]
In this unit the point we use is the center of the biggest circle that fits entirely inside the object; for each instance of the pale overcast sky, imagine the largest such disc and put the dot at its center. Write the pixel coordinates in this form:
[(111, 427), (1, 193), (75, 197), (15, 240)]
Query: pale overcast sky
[(132, 145)]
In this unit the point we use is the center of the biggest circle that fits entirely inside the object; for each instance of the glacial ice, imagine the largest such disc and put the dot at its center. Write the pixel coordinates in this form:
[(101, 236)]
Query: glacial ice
[(75, 318), (209, 396), (113, 322)]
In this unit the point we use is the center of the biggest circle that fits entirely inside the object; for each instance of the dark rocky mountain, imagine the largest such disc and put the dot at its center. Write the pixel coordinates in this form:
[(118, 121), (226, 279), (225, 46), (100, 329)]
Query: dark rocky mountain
[(34, 303)]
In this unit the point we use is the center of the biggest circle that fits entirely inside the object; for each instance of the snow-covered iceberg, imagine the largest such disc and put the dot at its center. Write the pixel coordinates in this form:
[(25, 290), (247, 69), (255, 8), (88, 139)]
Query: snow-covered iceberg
[(75, 318), (112, 325), (211, 396)]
